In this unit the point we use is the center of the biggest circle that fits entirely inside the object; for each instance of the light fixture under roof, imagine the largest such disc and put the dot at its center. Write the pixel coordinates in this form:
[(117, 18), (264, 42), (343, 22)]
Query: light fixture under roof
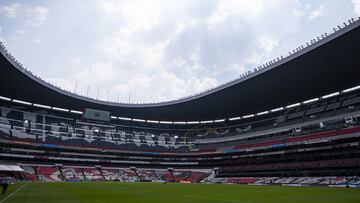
[(352, 89)]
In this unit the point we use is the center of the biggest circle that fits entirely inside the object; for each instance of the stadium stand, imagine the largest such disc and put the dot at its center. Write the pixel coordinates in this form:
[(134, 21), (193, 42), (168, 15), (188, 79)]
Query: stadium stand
[(302, 142)]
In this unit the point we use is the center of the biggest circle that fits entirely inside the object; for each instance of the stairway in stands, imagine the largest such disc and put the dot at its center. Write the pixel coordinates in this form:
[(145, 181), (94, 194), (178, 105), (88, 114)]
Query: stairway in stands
[(36, 173), (62, 176), (209, 178), (83, 174), (102, 174), (137, 175)]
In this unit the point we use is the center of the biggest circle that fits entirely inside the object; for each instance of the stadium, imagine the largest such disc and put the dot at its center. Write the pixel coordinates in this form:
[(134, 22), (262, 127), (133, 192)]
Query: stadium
[(296, 140)]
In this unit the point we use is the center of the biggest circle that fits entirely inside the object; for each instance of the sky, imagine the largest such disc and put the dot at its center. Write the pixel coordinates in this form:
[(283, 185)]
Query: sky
[(142, 51)]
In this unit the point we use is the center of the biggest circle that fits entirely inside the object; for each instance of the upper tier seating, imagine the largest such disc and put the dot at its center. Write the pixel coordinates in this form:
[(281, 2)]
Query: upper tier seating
[(32, 125)]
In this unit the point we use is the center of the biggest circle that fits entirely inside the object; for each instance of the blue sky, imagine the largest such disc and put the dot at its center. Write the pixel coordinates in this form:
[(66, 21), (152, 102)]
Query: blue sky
[(158, 50)]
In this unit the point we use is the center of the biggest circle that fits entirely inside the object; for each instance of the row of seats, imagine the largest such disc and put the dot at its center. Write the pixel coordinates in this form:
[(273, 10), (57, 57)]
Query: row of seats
[(270, 144), (328, 180), (74, 127), (270, 139), (42, 123), (324, 108), (58, 133), (305, 165), (283, 133), (65, 173)]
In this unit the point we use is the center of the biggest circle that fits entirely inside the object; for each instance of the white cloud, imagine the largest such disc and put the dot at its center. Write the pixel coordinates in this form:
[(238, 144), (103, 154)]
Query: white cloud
[(356, 4), (97, 72), (84, 76), (76, 60), (64, 83), (145, 62), (316, 13), (237, 69), (37, 16), (265, 45), (241, 8), (10, 11), (37, 40), (1, 38), (268, 43), (160, 86), (158, 50), (135, 14), (20, 32), (124, 48), (144, 88)]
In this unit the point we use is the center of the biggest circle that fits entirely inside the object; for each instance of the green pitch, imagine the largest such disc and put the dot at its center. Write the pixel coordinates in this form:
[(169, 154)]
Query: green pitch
[(110, 192)]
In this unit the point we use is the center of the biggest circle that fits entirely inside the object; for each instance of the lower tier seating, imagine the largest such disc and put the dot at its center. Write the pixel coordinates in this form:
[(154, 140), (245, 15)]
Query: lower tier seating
[(76, 173), (328, 180)]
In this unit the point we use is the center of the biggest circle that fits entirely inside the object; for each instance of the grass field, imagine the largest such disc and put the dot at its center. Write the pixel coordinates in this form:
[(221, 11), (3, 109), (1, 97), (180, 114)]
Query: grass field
[(109, 192)]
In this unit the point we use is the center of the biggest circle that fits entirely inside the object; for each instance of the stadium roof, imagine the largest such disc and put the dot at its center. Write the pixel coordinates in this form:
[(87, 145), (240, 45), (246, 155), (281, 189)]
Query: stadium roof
[(322, 67)]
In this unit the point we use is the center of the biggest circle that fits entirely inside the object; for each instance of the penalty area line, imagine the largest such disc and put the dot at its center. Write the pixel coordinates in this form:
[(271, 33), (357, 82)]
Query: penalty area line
[(11, 194)]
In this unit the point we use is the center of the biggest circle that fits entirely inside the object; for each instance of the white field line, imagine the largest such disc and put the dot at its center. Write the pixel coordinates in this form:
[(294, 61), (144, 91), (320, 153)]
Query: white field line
[(11, 194)]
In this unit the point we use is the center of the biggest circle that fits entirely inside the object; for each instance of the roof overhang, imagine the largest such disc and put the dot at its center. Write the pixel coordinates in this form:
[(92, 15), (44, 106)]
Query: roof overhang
[(324, 67)]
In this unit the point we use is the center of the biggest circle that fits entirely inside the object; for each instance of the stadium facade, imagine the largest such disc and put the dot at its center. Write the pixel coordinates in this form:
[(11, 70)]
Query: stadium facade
[(294, 120)]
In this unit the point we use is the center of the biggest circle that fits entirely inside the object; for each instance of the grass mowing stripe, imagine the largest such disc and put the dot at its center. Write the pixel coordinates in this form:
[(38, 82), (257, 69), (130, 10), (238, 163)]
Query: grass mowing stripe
[(11, 194), (117, 192)]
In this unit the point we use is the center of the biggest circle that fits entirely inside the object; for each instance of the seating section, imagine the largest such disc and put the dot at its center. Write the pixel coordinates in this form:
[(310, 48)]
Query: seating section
[(93, 174), (184, 175), (271, 139), (350, 162), (46, 173), (196, 177), (36, 125), (30, 173), (33, 127), (330, 180), (241, 180), (125, 175), (147, 175), (109, 174), (308, 140), (72, 174)]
